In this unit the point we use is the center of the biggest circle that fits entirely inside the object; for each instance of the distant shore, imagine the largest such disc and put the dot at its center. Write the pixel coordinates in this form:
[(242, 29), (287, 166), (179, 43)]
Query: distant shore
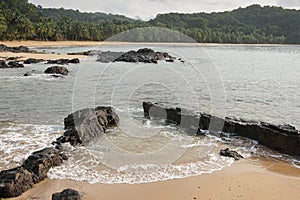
[(31, 43), (245, 179)]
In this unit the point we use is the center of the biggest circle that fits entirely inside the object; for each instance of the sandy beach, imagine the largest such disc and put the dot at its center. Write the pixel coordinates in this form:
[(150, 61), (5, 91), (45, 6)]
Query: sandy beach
[(246, 179)]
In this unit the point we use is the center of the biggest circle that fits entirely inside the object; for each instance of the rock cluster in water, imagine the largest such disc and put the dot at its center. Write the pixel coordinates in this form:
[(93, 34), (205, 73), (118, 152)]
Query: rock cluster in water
[(35, 168), (10, 64), (20, 49), (281, 138), (81, 126), (57, 70), (142, 55)]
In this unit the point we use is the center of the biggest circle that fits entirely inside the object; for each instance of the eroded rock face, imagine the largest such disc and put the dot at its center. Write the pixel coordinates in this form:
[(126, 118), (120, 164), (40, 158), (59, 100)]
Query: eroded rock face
[(40, 162), (281, 138), (84, 125), (67, 194), (229, 153), (14, 182), (57, 70)]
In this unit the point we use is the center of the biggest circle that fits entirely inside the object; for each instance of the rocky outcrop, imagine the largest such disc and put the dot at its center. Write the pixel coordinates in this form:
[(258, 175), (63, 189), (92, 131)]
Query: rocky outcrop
[(67, 194), (33, 61), (57, 70), (142, 55), (282, 138), (145, 56), (64, 61), (20, 49), (35, 168), (10, 64), (229, 153), (84, 125)]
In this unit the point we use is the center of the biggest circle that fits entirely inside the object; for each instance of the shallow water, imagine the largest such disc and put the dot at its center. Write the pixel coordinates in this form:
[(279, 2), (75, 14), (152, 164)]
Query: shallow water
[(259, 83)]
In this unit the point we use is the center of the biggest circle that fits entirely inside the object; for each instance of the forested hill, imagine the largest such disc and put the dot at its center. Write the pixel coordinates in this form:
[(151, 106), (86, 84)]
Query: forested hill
[(83, 16), (253, 24)]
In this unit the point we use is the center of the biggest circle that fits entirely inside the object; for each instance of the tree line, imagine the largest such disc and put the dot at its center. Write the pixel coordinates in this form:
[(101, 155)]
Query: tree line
[(20, 20)]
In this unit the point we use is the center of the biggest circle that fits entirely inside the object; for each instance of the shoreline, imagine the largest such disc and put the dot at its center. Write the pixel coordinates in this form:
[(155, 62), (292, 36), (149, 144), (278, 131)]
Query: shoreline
[(31, 43), (245, 179)]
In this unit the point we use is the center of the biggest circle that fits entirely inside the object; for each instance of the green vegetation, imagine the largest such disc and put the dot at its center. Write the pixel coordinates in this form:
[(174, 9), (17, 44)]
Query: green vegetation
[(254, 24)]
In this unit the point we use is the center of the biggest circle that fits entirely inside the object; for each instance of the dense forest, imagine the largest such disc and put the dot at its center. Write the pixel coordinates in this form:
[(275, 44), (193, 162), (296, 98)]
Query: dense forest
[(20, 20)]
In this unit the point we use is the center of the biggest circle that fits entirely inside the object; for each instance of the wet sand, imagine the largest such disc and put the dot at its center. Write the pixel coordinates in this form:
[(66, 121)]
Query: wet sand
[(245, 180)]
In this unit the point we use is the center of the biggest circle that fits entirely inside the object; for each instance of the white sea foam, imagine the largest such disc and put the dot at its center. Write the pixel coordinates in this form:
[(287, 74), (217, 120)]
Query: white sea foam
[(18, 141)]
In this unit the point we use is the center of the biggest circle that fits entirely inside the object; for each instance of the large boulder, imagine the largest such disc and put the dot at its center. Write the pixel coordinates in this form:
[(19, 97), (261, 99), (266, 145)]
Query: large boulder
[(67, 194), (3, 64), (14, 64), (57, 70), (84, 125), (14, 182), (281, 138)]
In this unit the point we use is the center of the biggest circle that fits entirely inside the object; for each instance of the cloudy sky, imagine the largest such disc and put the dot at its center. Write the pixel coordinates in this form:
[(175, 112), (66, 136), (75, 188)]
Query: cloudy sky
[(150, 8)]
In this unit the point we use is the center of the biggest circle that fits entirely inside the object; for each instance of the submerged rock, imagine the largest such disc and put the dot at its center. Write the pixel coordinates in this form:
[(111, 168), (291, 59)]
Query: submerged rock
[(31, 73), (281, 138), (84, 125), (67, 194), (229, 153), (57, 70)]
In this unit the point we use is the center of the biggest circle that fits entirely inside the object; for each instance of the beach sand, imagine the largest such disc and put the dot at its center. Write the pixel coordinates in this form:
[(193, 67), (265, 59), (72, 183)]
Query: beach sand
[(245, 179)]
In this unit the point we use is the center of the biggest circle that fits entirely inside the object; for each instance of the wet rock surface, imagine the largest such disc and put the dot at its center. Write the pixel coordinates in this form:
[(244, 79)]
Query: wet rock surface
[(229, 153), (14, 182), (281, 138), (10, 64), (57, 70), (84, 125), (67, 194)]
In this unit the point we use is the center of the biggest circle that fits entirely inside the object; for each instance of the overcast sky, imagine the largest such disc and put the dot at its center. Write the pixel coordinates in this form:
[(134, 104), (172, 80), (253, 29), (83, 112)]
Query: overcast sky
[(150, 8)]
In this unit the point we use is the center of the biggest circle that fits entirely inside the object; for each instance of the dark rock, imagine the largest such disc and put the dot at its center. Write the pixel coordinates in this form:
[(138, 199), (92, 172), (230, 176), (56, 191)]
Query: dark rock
[(13, 64), (64, 61), (3, 64), (84, 125), (57, 70), (67, 194), (40, 162), (33, 61), (20, 49), (282, 138), (14, 182), (229, 153), (142, 55), (74, 61)]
